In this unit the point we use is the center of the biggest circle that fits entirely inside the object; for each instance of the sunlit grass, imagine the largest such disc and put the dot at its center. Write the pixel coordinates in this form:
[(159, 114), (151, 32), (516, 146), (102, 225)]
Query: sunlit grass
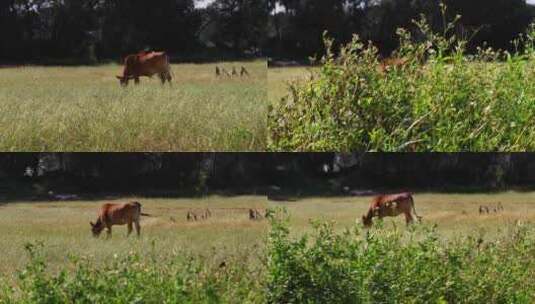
[(279, 80), (85, 109), (226, 256)]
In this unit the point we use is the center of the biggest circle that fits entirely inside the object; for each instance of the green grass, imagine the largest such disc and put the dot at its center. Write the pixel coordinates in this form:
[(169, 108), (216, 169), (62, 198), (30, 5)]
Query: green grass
[(279, 79), (85, 109), (64, 228), (176, 260)]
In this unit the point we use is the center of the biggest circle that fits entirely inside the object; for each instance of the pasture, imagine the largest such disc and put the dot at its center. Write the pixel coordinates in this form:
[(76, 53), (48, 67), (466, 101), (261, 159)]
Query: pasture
[(279, 80), (226, 257), (85, 109)]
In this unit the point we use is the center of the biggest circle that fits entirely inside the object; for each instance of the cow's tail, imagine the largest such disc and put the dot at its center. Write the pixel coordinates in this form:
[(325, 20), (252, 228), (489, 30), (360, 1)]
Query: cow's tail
[(145, 214), (414, 209)]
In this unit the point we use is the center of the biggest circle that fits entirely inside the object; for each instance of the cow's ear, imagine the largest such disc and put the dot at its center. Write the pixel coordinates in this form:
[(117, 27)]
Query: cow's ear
[(119, 77), (92, 225)]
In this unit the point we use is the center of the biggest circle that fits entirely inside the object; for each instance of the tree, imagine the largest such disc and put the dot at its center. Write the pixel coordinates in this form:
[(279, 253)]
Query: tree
[(498, 21), (129, 26), (240, 24)]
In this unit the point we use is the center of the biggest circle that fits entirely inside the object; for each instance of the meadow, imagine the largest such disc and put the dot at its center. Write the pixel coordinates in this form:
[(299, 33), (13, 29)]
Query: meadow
[(280, 79), (456, 253), (85, 109)]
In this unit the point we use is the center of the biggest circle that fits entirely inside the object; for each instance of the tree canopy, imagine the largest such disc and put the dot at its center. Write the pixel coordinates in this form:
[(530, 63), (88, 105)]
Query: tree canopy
[(296, 26), (93, 30)]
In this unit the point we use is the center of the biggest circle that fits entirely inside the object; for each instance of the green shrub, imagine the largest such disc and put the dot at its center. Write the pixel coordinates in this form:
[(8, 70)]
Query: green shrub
[(385, 266), (452, 102), (133, 279), (379, 265)]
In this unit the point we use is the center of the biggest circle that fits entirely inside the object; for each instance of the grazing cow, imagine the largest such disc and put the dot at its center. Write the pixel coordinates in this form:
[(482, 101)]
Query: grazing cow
[(391, 205), (243, 72), (390, 63), (117, 214), (146, 64)]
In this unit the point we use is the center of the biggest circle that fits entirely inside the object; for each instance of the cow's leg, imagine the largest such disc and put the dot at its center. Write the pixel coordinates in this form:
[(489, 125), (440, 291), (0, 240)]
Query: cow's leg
[(169, 78), (136, 80), (129, 229), (108, 232), (138, 228), (408, 218), (163, 77)]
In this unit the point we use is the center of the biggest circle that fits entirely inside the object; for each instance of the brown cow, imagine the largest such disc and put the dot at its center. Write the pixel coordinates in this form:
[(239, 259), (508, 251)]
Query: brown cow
[(146, 64), (117, 214), (391, 205), (391, 63)]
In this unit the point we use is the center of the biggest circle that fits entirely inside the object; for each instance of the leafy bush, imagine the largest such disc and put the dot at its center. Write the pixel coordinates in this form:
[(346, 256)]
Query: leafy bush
[(394, 267), (132, 279), (452, 102), (377, 266)]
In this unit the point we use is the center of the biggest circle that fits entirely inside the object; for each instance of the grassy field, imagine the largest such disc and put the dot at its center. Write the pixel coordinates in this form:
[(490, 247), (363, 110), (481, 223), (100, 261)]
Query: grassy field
[(279, 79), (455, 214), (85, 109), (229, 237), (64, 229)]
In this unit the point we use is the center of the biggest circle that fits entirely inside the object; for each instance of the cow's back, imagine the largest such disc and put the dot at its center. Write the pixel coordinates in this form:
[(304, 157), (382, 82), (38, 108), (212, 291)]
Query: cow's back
[(120, 213), (381, 200), (146, 64)]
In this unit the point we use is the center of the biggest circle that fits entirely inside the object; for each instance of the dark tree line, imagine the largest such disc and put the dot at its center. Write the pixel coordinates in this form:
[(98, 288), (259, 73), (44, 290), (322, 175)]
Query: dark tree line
[(192, 174), (94, 30), (296, 26), (89, 31)]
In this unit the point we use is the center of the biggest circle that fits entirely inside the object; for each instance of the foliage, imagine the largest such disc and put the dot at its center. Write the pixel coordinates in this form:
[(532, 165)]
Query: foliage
[(84, 32), (453, 102), (414, 265), (292, 34), (133, 279), (382, 266)]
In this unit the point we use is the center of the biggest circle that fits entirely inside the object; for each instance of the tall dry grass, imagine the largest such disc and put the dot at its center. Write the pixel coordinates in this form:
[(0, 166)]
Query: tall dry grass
[(85, 109)]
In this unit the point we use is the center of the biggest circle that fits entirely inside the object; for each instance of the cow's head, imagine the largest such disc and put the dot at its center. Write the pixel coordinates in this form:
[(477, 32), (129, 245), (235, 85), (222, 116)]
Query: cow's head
[(123, 80), (97, 228), (366, 220)]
